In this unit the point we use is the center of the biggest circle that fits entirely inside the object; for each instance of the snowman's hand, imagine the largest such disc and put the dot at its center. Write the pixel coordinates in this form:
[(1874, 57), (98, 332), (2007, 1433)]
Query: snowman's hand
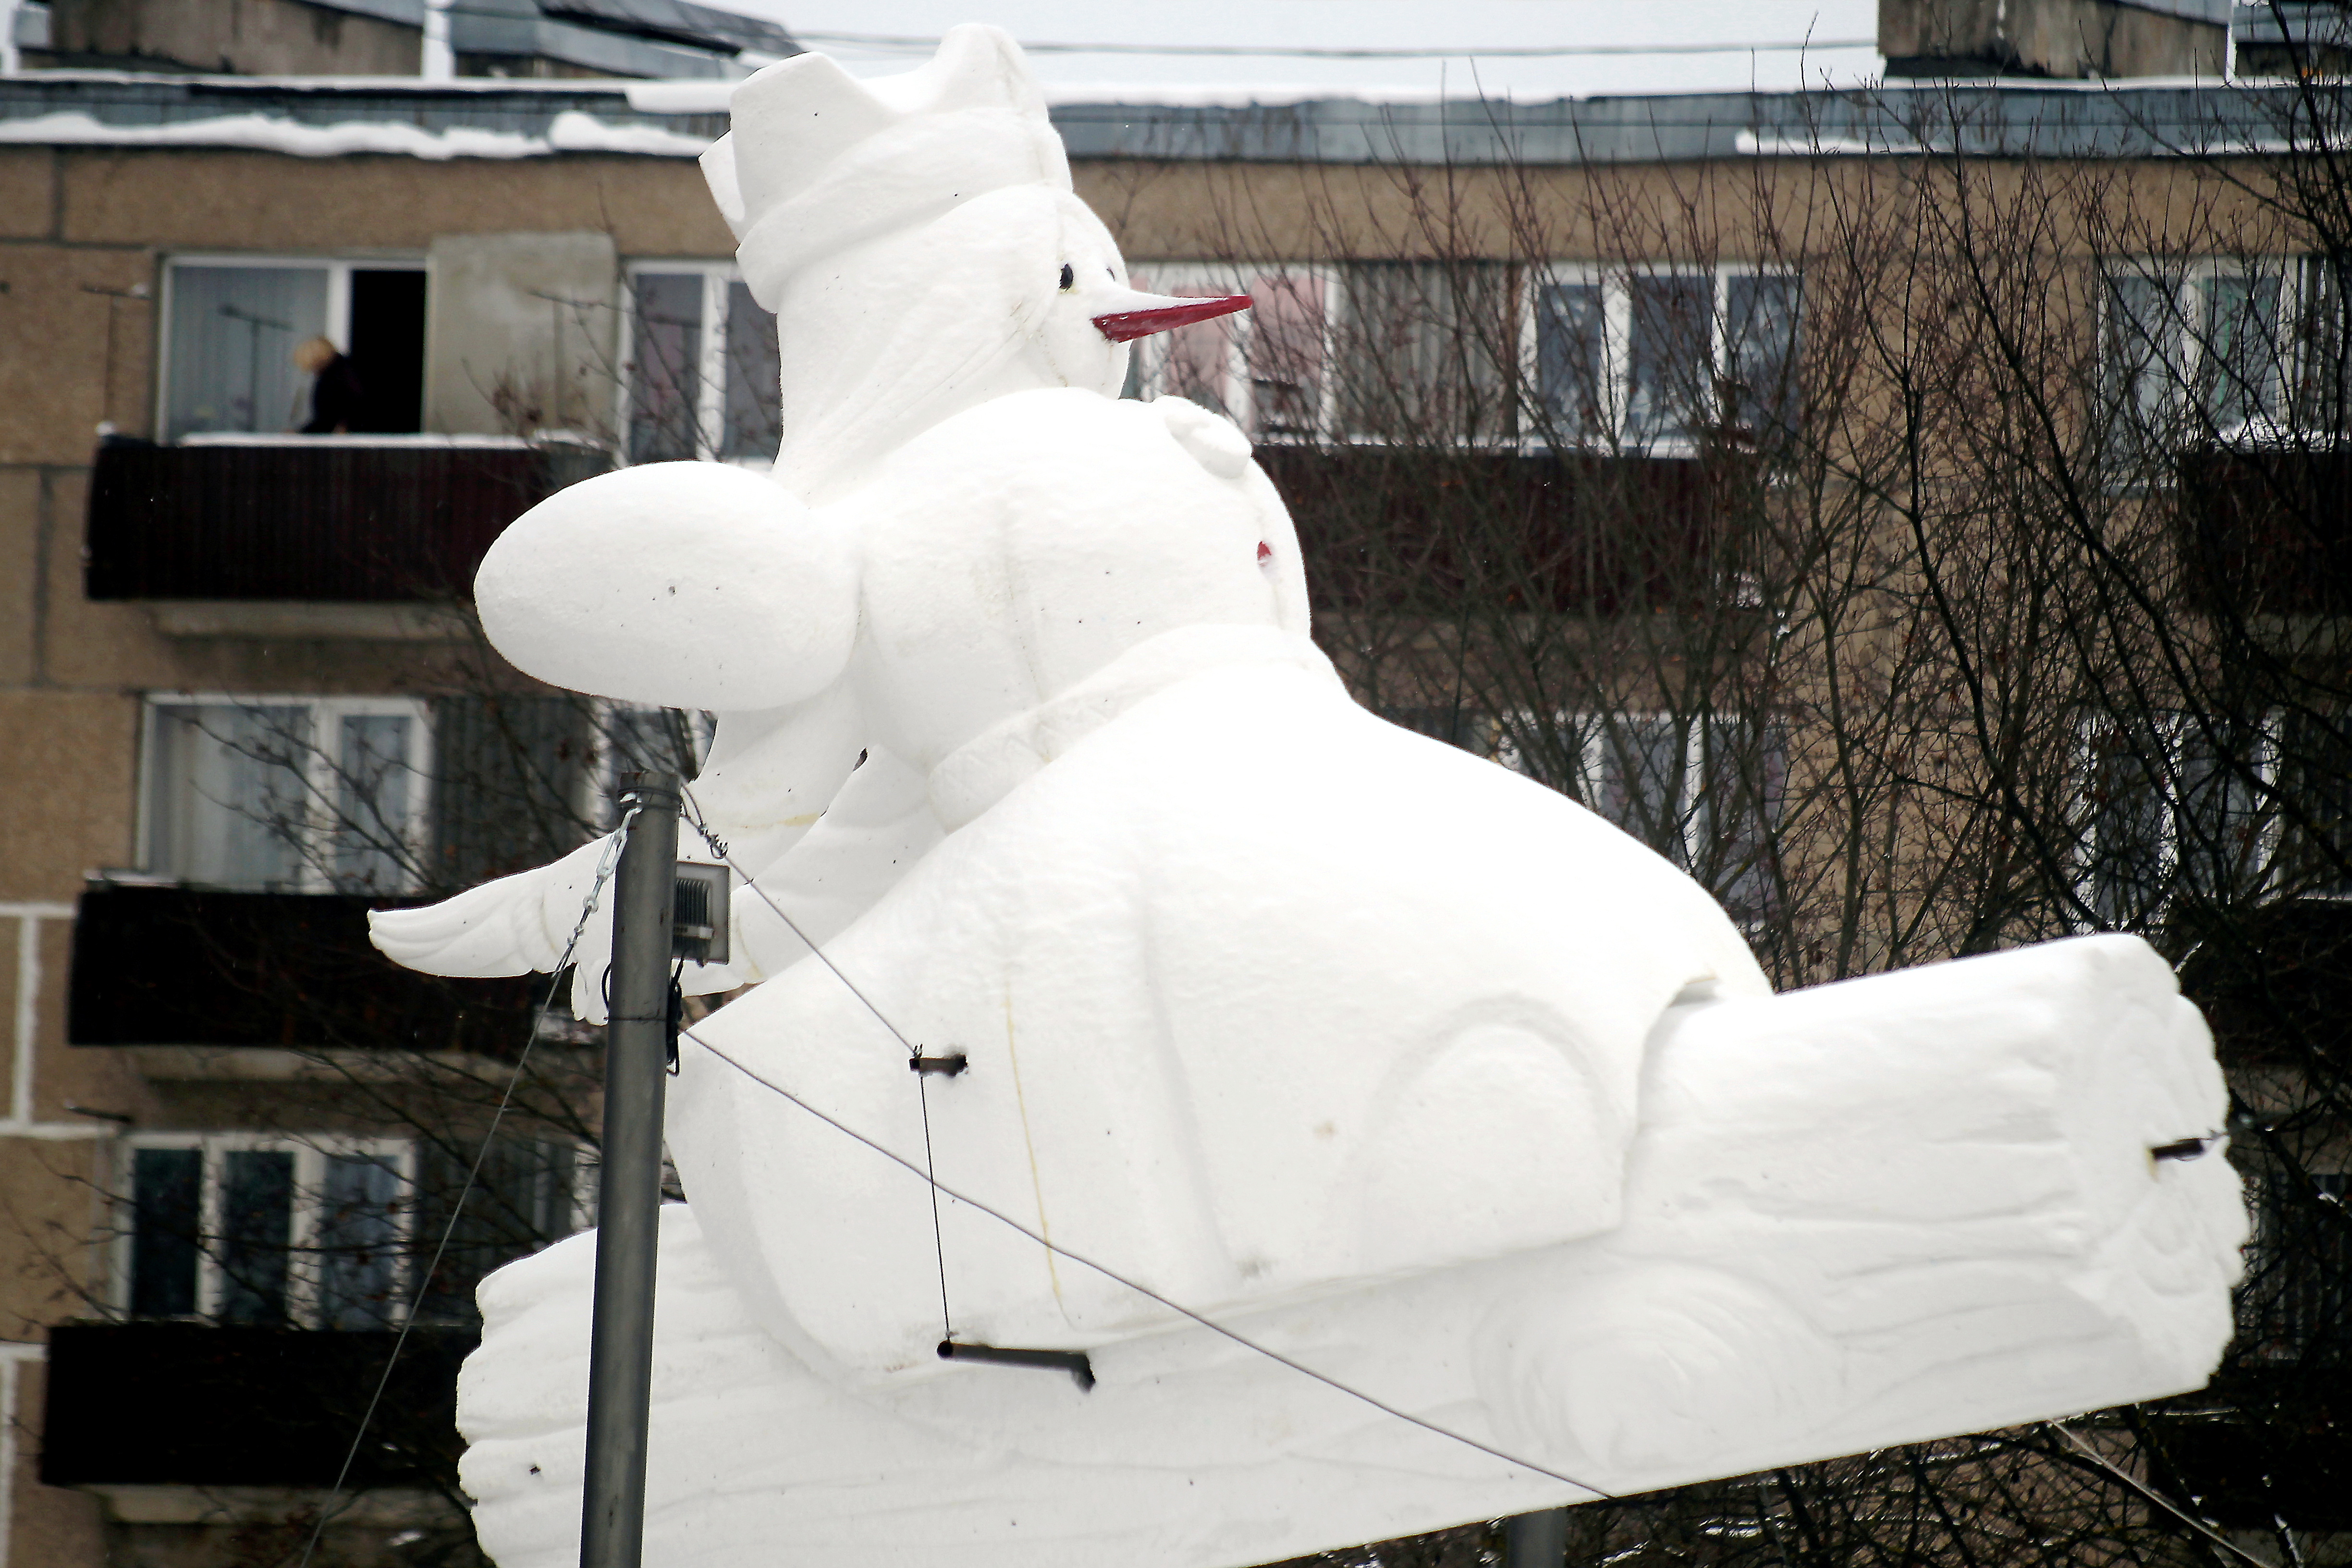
[(1217, 444), (512, 926), (1212, 440)]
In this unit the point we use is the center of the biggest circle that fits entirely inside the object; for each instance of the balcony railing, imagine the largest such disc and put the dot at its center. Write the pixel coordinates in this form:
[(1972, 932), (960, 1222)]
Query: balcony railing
[(2273, 1452), (348, 519), (2267, 530), (182, 966), (192, 1404), (1419, 532)]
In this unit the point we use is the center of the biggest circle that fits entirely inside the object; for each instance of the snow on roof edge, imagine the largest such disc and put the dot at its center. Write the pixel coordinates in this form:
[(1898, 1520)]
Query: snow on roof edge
[(570, 131)]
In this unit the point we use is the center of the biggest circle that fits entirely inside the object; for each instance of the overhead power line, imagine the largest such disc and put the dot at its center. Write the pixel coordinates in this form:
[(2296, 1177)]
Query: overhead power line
[(1531, 51)]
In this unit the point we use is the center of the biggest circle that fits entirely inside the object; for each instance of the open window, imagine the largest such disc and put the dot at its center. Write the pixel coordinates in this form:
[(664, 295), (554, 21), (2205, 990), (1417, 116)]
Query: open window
[(233, 327)]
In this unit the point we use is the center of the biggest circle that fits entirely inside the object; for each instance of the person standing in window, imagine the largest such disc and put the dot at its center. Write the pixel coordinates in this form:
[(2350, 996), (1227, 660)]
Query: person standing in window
[(335, 392)]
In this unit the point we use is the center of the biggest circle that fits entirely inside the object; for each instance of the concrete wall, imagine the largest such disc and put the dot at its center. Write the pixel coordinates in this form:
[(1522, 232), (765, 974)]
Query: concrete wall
[(521, 332), (244, 37), (2064, 39)]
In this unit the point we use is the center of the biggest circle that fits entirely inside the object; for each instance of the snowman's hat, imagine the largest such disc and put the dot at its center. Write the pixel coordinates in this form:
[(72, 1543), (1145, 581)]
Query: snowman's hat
[(818, 161)]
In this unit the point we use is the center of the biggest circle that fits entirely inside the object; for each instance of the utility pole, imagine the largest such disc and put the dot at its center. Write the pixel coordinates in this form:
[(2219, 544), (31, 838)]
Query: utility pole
[(1536, 1539), (621, 1356)]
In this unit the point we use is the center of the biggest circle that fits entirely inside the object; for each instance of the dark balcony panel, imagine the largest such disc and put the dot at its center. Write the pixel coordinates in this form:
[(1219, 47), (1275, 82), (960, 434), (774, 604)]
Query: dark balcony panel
[(192, 1404), (2266, 531), (178, 966), (2281, 1455), (2275, 981), (312, 522), (1416, 532)]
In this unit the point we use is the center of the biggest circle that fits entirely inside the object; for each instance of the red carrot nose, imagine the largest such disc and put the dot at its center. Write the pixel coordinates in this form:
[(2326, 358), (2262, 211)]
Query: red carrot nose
[(1125, 326), (1265, 551)]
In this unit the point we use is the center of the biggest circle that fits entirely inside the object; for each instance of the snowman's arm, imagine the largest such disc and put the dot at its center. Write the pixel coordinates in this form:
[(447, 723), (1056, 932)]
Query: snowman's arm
[(512, 926), (770, 778), (1217, 444), (875, 830)]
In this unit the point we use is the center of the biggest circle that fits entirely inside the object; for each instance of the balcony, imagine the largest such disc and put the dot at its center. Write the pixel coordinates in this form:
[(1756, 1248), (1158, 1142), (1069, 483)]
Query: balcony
[(189, 1404), (2278, 1455), (318, 519), (1416, 532), (183, 967), (2266, 530)]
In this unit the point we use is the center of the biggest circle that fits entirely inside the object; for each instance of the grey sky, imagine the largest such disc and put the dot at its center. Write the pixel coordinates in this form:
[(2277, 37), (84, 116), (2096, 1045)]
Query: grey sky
[(1461, 28)]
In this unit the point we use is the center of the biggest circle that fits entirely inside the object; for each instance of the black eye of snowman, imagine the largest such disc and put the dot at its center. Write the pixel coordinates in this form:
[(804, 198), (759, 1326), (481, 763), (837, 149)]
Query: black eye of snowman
[(1069, 277)]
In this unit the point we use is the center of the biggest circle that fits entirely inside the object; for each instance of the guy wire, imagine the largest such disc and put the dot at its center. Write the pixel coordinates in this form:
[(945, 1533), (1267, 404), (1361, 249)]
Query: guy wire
[(1149, 1294), (1113, 1275)]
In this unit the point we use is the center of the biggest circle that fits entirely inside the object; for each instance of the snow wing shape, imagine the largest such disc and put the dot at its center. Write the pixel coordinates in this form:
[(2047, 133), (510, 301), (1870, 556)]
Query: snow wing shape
[(683, 585)]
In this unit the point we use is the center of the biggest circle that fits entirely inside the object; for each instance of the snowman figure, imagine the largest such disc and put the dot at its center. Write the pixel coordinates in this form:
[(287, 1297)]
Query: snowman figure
[(1285, 1016)]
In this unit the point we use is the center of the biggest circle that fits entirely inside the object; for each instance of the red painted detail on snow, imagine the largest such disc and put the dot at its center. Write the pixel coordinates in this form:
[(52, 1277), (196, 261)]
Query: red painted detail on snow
[(1265, 551), (1125, 326)]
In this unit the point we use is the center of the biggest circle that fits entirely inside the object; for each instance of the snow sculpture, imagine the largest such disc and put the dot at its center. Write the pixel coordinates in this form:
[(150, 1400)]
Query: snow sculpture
[(1418, 1077)]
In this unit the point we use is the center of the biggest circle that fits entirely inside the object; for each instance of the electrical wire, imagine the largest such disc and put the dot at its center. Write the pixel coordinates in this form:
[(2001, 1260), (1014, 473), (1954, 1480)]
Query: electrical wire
[(605, 866)]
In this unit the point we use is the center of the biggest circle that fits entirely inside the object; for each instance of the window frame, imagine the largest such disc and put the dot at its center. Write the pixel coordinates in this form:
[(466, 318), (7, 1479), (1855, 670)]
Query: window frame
[(305, 1211), (2171, 729), (1527, 279), (1153, 354), (339, 269), (2191, 280), (318, 775), (1616, 280), (718, 276)]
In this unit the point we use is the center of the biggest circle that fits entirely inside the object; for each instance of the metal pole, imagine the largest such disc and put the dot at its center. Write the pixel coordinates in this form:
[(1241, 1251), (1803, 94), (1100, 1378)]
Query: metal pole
[(1536, 1540), (620, 1367)]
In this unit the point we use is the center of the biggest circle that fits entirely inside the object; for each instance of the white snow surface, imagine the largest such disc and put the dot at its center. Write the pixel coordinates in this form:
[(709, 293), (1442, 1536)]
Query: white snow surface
[(1866, 1214), (1391, 1059)]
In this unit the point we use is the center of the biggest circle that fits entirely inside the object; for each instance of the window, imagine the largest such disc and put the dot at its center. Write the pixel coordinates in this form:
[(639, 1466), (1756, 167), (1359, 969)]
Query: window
[(2296, 1298), (528, 1194), (635, 739), (1652, 358), (232, 324), (2173, 805), (2314, 774), (2208, 350), (1705, 791), (295, 793), (1425, 349), (326, 1232), (1374, 350), (701, 377), (1397, 352), (1264, 369)]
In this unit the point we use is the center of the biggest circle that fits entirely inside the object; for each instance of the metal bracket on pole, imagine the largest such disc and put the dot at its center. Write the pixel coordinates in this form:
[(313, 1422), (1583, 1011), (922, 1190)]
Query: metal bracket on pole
[(620, 1367)]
